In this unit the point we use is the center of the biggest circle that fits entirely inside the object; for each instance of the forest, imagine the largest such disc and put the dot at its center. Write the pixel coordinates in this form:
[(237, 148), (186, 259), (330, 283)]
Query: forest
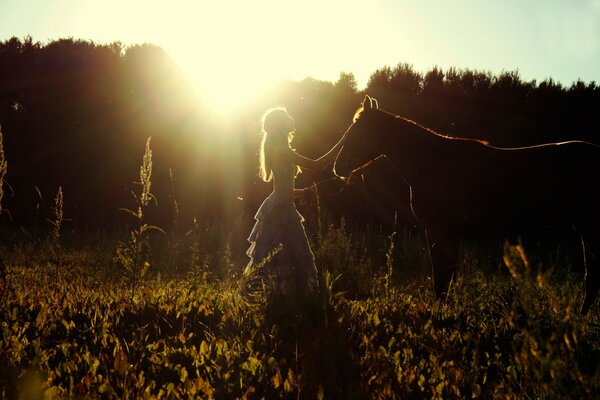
[(76, 114), (141, 295)]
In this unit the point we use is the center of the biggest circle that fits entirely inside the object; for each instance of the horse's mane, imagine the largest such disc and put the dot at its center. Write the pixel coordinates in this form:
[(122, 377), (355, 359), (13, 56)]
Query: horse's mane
[(358, 113), (360, 110), (443, 135), (486, 143)]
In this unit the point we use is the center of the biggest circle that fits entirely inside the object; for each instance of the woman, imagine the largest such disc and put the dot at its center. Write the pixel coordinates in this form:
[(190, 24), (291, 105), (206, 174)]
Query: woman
[(279, 247)]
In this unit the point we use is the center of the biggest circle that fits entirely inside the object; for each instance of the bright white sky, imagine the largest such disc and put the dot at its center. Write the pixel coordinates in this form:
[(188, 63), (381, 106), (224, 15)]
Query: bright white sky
[(249, 44)]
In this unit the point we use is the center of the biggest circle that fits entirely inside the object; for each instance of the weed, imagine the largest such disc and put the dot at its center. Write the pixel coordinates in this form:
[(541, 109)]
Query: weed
[(389, 262), (53, 242), (133, 255), (3, 271), (338, 253), (3, 169)]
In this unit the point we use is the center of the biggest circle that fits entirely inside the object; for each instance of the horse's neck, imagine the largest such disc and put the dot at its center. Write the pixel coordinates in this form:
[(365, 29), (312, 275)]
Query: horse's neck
[(408, 146)]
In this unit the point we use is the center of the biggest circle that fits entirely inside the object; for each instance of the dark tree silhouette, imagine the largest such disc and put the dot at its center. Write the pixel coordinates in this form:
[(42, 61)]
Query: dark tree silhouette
[(76, 114)]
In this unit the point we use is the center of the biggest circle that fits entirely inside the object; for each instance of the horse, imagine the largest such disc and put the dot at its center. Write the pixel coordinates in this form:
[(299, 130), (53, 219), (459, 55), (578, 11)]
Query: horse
[(463, 187)]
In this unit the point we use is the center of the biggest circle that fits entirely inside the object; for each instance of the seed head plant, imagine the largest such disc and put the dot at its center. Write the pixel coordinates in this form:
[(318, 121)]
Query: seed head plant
[(54, 241), (3, 169), (174, 240), (58, 215), (199, 271), (389, 262), (145, 177), (133, 256)]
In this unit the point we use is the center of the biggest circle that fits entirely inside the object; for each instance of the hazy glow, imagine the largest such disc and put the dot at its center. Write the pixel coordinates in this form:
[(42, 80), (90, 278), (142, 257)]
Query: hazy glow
[(231, 50), (236, 49)]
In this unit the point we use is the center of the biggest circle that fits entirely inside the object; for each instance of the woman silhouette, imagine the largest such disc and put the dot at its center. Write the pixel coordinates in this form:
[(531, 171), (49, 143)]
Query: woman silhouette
[(279, 247)]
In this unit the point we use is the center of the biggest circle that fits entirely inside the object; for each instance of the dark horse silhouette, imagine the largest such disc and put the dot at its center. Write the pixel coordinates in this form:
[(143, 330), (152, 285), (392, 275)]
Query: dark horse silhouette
[(464, 187)]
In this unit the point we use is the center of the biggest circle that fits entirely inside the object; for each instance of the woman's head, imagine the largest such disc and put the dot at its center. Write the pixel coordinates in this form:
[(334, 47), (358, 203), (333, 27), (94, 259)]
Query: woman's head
[(277, 121), (277, 130)]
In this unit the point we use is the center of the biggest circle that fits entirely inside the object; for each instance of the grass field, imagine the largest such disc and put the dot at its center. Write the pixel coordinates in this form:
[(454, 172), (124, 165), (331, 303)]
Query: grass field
[(72, 327)]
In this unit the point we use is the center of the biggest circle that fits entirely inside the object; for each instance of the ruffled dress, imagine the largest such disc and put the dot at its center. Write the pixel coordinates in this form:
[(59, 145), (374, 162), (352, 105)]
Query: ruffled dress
[(279, 248)]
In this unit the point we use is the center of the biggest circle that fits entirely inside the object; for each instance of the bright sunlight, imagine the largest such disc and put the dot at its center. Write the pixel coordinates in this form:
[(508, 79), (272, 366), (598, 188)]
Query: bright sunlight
[(245, 47), (233, 50)]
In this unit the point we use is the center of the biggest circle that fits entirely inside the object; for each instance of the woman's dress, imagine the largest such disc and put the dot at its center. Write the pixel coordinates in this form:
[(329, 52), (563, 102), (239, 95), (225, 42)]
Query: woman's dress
[(279, 248)]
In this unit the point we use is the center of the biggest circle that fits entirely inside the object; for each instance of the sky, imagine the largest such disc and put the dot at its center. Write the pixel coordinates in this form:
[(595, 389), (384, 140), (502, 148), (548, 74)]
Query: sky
[(245, 46)]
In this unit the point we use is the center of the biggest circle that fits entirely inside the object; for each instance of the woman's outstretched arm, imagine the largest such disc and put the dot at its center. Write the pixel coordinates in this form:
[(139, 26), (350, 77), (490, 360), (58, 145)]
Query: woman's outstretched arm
[(321, 162)]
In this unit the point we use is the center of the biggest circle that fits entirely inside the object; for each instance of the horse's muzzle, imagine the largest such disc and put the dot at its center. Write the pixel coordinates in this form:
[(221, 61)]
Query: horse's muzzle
[(341, 169)]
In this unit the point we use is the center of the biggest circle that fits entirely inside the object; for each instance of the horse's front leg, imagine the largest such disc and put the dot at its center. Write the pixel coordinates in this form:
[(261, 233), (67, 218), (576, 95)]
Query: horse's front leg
[(591, 258), (443, 252)]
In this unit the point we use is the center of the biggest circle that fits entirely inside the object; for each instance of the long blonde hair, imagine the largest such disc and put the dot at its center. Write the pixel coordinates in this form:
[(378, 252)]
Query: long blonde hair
[(277, 130)]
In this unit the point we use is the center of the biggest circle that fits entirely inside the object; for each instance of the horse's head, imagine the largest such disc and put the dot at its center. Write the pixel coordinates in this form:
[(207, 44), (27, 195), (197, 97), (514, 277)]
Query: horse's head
[(362, 144)]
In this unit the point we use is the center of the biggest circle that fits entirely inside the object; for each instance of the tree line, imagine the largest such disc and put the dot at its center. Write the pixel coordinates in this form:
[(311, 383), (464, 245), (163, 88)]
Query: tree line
[(76, 114)]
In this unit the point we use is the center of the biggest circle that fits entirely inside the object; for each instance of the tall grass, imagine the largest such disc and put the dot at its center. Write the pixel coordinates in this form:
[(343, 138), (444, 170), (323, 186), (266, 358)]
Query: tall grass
[(54, 241), (3, 270), (342, 254), (3, 168), (133, 255)]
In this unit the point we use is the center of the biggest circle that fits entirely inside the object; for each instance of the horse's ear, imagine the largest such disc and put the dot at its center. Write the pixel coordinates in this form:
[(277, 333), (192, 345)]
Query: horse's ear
[(375, 103), (367, 103)]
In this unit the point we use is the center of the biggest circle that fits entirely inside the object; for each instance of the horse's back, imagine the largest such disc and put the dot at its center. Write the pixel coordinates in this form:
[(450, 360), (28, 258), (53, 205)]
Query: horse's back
[(553, 184)]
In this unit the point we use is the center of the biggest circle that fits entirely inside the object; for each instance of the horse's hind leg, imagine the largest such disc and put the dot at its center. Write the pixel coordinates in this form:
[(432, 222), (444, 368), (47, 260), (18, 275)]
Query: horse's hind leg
[(443, 251), (591, 258)]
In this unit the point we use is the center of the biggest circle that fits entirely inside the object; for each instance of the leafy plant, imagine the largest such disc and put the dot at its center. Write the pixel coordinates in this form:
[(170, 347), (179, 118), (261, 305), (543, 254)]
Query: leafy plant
[(347, 260), (496, 338)]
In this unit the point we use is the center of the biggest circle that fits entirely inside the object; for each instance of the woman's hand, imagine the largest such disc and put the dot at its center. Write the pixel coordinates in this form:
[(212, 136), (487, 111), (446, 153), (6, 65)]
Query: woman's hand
[(305, 195), (321, 162)]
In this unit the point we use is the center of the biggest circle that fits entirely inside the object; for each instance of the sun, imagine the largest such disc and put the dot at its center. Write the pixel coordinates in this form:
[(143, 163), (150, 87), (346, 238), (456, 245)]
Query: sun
[(226, 82), (230, 50), (230, 56)]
